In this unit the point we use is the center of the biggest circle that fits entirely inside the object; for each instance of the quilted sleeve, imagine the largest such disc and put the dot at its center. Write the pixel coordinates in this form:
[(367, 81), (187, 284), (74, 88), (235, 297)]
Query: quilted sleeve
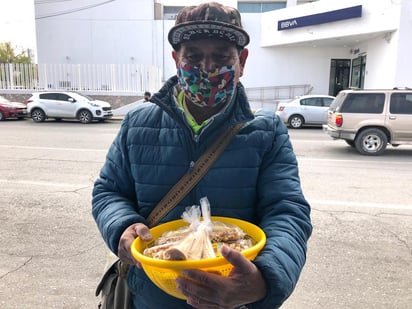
[(284, 215), (113, 197)]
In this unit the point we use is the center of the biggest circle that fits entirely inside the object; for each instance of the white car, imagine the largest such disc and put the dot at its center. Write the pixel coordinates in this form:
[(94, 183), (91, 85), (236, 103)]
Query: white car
[(305, 110), (67, 104)]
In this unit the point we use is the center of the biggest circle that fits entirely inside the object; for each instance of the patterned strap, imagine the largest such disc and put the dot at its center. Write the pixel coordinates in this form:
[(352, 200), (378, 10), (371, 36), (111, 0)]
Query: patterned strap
[(189, 180)]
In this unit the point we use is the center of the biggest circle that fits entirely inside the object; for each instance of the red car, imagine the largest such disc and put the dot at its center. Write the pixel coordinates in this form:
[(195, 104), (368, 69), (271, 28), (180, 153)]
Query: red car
[(12, 109)]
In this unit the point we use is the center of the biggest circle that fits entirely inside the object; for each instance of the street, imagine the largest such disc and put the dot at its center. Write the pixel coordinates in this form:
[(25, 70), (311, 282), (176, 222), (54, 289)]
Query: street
[(360, 252), (52, 256)]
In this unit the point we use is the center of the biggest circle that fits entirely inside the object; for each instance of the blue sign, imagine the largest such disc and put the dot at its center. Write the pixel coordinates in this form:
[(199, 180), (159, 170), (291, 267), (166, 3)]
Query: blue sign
[(321, 18)]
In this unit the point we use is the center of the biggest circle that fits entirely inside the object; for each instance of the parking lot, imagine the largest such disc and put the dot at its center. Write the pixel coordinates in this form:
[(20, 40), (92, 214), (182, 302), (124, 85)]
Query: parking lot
[(360, 254)]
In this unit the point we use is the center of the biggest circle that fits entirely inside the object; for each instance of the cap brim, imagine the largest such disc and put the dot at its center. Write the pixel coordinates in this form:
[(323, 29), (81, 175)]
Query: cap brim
[(196, 30)]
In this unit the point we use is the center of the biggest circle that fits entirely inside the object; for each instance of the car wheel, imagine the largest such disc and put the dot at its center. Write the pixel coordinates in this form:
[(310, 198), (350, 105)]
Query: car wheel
[(85, 116), (1, 116), (350, 142), (371, 142), (38, 115), (296, 121)]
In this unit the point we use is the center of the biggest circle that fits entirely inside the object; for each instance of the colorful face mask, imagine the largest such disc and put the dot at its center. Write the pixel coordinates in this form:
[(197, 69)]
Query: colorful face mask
[(204, 88)]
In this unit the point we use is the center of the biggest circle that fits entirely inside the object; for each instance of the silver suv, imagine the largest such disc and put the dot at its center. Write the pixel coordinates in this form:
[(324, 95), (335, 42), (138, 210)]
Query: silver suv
[(67, 104), (369, 120)]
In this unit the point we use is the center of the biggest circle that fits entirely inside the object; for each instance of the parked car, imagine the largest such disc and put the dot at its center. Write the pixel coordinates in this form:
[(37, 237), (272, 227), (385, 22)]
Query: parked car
[(270, 105), (67, 104), (305, 110), (369, 120), (10, 109)]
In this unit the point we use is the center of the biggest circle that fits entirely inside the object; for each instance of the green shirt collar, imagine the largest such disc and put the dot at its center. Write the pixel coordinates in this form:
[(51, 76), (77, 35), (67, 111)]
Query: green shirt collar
[(190, 119)]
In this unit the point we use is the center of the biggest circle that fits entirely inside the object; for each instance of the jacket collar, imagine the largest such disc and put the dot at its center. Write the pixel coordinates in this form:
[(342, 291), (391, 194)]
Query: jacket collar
[(237, 111)]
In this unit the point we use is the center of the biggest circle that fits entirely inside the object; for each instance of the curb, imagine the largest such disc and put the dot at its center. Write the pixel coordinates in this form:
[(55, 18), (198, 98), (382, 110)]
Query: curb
[(117, 118)]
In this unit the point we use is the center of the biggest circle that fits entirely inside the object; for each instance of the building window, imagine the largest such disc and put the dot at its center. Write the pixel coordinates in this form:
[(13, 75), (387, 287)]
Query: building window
[(170, 12), (260, 7)]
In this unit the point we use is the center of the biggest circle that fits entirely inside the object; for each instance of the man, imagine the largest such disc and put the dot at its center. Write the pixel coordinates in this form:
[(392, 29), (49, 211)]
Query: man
[(147, 96), (255, 179)]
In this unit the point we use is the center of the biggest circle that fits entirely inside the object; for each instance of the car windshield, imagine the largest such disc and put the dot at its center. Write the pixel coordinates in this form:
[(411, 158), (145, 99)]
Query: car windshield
[(4, 100), (337, 101), (84, 96)]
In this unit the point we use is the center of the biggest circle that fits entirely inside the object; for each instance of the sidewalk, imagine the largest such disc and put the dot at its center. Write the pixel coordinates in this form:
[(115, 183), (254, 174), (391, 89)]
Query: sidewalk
[(123, 110), (119, 113)]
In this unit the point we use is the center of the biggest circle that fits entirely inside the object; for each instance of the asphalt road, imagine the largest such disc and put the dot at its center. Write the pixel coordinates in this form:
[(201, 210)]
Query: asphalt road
[(360, 254)]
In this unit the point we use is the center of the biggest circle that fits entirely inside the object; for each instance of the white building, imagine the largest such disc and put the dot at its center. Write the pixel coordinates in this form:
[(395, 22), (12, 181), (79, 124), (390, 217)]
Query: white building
[(325, 44)]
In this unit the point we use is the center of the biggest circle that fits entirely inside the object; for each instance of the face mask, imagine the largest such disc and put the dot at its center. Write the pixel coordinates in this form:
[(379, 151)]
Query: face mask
[(204, 88)]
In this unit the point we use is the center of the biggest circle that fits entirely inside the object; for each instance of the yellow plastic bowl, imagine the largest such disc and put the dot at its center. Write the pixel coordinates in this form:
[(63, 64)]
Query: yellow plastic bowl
[(163, 273)]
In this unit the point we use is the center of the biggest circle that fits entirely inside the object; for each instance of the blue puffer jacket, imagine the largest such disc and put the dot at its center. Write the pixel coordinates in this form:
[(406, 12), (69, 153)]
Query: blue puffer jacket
[(255, 179)]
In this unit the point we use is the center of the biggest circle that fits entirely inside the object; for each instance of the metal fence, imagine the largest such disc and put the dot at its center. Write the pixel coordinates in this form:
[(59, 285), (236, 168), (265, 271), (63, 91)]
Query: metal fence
[(18, 76), (269, 97), (277, 93), (113, 78)]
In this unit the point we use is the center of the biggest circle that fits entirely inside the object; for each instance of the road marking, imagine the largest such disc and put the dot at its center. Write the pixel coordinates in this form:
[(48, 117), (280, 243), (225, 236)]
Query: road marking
[(46, 183), (302, 158), (311, 202), (53, 148), (359, 204)]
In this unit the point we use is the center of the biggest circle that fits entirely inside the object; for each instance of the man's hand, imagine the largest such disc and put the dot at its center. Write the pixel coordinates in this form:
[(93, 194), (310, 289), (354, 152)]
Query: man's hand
[(244, 285), (126, 240)]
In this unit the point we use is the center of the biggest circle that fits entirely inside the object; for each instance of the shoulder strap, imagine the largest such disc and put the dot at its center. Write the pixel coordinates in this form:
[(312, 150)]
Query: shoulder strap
[(189, 180)]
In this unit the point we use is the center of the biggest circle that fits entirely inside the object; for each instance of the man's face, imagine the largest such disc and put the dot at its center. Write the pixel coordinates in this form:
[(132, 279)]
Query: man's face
[(208, 54)]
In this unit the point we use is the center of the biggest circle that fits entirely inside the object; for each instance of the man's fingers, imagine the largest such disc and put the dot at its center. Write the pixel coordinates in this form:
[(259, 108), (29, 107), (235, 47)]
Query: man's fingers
[(127, 238), (235, 258), (143, 232)]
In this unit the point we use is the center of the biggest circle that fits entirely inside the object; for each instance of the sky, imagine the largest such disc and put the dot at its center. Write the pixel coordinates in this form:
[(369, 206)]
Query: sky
[(17, 24)]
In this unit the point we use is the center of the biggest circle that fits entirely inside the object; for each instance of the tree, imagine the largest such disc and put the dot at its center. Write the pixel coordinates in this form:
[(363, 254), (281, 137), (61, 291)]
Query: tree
[(8, 54)]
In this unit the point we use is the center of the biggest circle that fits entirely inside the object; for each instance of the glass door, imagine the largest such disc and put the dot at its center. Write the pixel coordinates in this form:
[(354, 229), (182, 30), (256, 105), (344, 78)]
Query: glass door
[(339, 75), (358, 72)]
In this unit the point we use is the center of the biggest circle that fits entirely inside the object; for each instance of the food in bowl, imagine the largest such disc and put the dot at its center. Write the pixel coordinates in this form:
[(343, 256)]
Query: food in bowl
[(164, 272), (184, 244)]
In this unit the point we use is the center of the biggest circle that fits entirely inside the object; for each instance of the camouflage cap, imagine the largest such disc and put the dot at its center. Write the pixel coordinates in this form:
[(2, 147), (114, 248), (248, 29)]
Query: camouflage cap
[(208, 20)]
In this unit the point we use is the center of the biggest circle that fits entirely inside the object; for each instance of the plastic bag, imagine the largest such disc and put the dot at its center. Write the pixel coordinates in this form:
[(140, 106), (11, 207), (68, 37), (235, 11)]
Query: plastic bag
[(196, 245), (201, 239)]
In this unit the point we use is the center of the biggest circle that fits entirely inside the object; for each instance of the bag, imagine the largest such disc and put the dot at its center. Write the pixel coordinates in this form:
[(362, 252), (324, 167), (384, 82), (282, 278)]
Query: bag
[(113, 288)]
